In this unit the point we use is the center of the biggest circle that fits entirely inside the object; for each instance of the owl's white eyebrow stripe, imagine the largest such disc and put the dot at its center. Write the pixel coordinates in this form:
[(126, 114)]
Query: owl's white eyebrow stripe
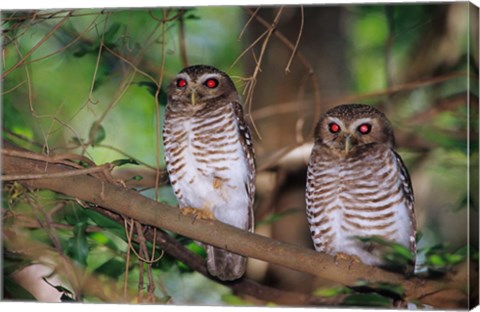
[(208, 76), (360, 121), (337, 121), (183, 76)]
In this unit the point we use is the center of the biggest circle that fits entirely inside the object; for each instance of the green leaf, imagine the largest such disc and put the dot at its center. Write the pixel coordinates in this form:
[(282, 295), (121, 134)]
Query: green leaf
[(233, 300), (391, 288), (454, 259), (436, 260), (76, 140), (121, 162), (183, 267), (111, 32), (331, 292), (112, 268), (367, 300), (166, 263), (106, 224), (101, 220), (402, 251), (75, 214), (199, 250), (97, 133), (77, 246)]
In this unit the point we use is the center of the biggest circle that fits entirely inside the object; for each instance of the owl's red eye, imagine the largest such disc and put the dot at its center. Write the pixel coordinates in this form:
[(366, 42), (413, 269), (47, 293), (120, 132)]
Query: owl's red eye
[(211, 83), (181, 83), (365, 128), (333, 127)]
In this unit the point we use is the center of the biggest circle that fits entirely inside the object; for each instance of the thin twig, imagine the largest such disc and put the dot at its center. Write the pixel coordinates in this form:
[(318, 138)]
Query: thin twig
[(287, 68), (134, 67), (16, 177), (30, 52), (182, 41)]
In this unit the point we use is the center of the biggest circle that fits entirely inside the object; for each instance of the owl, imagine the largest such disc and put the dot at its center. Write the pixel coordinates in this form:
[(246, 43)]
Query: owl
[(209, 157), (357, 185)]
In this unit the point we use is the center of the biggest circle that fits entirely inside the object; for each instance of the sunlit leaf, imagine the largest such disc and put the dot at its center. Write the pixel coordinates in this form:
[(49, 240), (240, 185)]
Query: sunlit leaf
[(331, 292), (436, 260), (402, 251)]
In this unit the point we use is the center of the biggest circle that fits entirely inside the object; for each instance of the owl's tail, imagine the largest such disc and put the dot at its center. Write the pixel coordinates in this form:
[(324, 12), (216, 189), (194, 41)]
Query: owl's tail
[(225, 265)]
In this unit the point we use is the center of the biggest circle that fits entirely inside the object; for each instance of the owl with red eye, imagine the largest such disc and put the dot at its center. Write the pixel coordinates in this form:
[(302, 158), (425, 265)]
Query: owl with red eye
[(209, 157), (357, 185)]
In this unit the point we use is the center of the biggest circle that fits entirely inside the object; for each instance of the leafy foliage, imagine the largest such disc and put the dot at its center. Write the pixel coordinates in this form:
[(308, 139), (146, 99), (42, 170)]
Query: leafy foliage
[(395, 255)]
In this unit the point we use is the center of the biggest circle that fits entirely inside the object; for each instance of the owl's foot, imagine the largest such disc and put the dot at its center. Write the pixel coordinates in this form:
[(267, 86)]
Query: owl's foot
[(203, 214), (346, 257), (217, 183)]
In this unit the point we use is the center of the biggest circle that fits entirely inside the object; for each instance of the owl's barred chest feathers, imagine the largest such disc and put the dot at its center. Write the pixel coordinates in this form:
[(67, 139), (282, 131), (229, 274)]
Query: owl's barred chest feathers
[(360, 195), (207, 163)]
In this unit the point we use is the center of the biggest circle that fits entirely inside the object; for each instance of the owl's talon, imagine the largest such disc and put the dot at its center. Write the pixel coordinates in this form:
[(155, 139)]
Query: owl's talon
[(217, 183), (346, 257), (203, 214)]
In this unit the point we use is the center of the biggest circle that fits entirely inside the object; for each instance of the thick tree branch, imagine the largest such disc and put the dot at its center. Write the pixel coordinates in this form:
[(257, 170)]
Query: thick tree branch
[(132, 204), (242, 286)]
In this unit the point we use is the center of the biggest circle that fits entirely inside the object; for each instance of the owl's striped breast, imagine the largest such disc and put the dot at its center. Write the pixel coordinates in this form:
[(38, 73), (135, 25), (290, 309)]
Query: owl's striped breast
[(206, 163), (355, 196)]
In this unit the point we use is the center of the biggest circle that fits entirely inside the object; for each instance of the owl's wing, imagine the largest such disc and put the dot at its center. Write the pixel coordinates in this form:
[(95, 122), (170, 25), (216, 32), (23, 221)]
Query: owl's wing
[(246, 142), (408, 193)]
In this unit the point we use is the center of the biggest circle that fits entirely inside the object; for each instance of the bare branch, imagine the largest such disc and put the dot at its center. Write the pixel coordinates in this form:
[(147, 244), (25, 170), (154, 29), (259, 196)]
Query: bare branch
[(133, 205)]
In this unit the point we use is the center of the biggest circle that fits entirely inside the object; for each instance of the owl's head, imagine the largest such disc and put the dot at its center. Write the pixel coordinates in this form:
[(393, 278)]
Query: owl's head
[(200, 85), (347, 127)]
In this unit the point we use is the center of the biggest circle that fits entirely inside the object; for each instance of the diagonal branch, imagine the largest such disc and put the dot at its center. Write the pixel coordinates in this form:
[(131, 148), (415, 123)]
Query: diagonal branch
[(134, 205), (242, 286)]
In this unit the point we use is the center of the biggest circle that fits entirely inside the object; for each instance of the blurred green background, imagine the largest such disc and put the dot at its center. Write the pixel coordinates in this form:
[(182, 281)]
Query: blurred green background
[(84, 81)]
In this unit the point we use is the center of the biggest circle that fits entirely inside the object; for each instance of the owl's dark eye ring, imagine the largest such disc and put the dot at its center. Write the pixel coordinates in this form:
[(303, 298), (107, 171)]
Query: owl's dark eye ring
[(334, 127), (181, 83), (211, 83), (365, 128)]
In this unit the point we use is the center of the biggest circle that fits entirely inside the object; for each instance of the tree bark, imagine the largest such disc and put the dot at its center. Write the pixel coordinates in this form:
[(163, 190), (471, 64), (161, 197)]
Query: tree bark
[(131, 204)]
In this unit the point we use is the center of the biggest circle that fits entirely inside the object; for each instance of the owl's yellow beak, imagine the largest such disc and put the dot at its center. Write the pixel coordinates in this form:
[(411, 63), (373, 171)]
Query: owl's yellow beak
[(193, 98), (348, 143)]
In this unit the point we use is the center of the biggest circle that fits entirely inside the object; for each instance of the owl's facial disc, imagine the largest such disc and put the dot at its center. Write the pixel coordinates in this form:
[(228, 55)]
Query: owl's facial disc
[(345, 136), (196, 91)]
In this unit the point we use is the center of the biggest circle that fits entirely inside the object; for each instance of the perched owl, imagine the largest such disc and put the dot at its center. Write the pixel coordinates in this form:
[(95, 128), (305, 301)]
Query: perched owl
[(209, 156), (357, 185)]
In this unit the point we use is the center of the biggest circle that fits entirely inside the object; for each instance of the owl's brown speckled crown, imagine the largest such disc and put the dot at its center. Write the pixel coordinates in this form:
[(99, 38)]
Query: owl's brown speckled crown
[(355, 111)]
